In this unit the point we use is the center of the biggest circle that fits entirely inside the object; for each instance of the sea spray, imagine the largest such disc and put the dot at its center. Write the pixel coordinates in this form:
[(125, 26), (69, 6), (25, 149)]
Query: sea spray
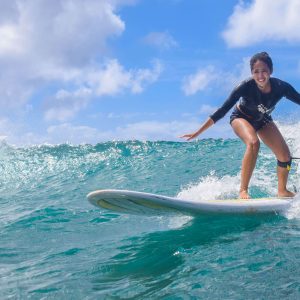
[(211, 187)]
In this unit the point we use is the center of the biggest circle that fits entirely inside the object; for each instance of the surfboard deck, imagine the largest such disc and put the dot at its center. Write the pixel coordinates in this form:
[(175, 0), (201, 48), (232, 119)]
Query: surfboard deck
[(132, 202)]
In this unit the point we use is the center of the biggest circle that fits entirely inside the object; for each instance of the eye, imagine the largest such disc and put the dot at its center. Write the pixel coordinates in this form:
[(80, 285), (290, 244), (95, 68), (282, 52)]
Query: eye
[(257, 71)]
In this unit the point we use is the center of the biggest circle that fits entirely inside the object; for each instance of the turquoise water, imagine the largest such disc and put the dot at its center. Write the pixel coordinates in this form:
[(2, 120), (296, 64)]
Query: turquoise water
[(55, 245)]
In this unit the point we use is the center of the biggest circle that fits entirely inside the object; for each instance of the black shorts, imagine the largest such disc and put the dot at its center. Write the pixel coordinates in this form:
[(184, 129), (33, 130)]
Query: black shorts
[(256, 124)]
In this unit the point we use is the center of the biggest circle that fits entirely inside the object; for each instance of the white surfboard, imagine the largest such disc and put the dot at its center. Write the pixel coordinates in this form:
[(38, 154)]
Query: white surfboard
[(132, 202)]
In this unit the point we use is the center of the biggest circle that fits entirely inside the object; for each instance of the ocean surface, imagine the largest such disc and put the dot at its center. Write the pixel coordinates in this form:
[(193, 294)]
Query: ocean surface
[(56, 245)]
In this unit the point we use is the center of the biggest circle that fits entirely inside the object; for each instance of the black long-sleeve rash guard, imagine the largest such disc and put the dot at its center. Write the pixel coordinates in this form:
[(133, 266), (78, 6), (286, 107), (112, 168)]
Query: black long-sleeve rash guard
[(254, 103)]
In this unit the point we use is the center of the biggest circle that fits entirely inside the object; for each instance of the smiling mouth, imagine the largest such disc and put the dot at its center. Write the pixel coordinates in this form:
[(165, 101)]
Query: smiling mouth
[(260, 84)]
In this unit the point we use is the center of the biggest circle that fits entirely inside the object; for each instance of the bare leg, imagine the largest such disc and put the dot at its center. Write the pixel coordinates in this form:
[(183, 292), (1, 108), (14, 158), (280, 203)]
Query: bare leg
[(282, 174), (248, 135), (272, 137)]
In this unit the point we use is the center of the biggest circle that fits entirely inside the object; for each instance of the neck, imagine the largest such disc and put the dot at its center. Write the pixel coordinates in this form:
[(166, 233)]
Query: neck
[(266, 88)]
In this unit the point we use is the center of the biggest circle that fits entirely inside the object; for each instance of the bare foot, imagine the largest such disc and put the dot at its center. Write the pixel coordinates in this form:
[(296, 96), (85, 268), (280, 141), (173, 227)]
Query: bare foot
[(286, 193), (244, 194)]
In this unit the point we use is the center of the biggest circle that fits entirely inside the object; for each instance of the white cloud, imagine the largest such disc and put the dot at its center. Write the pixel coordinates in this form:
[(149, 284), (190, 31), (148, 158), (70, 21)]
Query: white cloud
[(66, 104), (263, 20), (46, 41), (160, 40), (6, 127), (198, 81), (12, 132), (207, 109), (67, 132), (142, 77), (10, 37), (62, 43), (113, 78), (151, 130), (146, 130), (8, 11), (157, 130), (110, 80), (213, 76), (62, 32)]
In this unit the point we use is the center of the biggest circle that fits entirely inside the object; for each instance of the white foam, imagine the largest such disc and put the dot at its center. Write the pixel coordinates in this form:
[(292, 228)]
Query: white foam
[(177, 222), (291, 135), (294, 211), (265, 180), (211, 187)]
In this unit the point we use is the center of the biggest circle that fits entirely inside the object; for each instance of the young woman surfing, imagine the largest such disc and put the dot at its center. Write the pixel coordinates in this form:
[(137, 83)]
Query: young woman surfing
[(254, 100)]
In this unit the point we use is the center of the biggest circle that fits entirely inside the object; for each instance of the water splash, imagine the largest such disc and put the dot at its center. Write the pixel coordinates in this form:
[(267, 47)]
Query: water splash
[(211, 187), (294, 211)]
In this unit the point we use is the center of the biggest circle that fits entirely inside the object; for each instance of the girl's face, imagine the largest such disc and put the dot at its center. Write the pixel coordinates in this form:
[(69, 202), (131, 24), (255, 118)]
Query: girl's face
[(261, 74)]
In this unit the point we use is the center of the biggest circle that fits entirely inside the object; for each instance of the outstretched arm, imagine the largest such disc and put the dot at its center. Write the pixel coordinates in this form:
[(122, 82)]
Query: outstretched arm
[(204, 126)]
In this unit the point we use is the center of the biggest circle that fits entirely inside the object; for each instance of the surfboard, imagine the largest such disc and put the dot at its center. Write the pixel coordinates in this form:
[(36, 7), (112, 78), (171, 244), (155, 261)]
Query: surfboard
[(132, 202)]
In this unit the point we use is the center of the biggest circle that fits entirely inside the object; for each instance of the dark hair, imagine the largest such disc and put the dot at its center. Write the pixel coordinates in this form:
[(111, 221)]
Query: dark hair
[(263, 56)]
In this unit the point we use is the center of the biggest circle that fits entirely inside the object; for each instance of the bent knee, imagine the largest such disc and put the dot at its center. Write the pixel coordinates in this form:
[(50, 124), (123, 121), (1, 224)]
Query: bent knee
[(283, 154), (286, 157), (253, 145)]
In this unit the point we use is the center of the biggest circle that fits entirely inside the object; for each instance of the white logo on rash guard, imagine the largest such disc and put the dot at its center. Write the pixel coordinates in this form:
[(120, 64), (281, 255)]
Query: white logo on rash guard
[(261, 108), (264, 110)]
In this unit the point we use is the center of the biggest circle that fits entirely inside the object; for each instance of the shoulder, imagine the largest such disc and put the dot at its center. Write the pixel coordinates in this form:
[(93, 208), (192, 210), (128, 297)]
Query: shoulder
[(245, 84), (280, 84), (244, 87), (277, 81)]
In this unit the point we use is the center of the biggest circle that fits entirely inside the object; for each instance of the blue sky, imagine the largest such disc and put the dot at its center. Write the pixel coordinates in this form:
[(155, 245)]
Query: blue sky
[(88, 71)]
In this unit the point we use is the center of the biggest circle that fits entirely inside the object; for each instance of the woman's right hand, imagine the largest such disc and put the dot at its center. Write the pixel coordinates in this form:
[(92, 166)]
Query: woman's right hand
[(189, 136)]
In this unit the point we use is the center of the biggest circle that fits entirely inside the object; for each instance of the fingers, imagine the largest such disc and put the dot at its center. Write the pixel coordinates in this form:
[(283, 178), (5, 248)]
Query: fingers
[(185, 136), (188, 137)]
